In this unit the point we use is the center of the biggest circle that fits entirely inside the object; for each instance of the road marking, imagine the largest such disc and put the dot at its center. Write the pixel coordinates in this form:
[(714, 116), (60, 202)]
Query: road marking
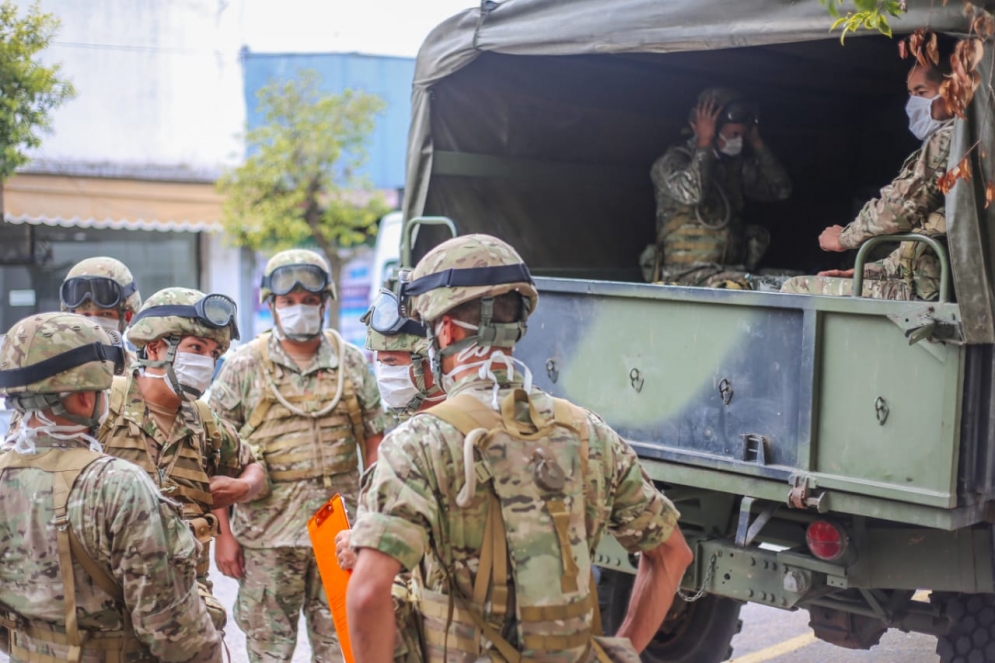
[(779, 649)]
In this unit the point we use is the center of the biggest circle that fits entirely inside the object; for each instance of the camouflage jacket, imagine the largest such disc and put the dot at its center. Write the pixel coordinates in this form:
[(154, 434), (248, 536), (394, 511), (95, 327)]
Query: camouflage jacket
[(690, 181), (278, 518), (133, 434), (131, 532), (409, 510), (912, 202)]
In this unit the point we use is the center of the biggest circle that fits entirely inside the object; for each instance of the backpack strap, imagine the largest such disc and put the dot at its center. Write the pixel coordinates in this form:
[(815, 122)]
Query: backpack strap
[(210, 425)]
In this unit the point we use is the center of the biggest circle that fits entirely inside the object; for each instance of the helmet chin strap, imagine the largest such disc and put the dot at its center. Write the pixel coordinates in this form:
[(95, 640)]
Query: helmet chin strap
[(172, 343), (424, 393), (488, 334), (25, 403)]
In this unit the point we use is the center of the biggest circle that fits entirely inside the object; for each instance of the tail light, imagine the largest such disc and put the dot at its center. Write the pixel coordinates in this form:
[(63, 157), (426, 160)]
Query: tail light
[(826, 540)]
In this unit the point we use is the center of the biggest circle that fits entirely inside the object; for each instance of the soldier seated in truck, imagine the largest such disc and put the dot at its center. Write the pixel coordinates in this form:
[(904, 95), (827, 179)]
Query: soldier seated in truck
[(912, 202), (700, 186)]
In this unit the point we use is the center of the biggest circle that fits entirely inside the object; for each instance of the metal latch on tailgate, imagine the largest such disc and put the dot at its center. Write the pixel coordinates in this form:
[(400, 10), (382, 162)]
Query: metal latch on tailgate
[(802, 494), (929, 325)]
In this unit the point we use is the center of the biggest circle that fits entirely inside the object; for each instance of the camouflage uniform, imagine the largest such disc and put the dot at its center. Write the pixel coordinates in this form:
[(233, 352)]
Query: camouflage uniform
[(912, 202), (543, 499), (409, 511), (307, 460), (182, 460), (700, 196), (132, 560)]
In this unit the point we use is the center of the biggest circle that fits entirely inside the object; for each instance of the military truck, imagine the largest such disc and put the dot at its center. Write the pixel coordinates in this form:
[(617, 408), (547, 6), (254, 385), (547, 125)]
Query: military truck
[(828, 454)]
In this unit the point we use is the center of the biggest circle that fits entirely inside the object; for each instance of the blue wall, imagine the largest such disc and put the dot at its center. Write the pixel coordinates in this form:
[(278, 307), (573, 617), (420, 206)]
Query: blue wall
[(387, 77)]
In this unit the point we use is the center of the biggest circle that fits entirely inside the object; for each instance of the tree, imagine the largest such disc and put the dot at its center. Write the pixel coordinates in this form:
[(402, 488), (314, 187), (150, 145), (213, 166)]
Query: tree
[(299, 182), (29, 90)]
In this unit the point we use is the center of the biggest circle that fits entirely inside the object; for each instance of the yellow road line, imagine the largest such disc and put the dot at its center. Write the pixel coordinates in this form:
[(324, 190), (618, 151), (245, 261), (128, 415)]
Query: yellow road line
[(779, 649)]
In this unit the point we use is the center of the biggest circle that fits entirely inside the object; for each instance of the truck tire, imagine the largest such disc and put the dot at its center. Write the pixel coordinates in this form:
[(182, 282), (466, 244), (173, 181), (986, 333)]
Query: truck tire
[(972, 628), (698, 632)]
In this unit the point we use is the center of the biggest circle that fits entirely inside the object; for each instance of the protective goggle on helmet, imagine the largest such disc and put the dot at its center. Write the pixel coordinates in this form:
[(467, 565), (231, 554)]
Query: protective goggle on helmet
[(101, 290), (215, 310)]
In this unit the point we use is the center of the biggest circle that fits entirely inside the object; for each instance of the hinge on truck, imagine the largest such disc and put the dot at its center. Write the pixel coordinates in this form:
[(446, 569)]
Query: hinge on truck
[(930, 325), (802, 495)]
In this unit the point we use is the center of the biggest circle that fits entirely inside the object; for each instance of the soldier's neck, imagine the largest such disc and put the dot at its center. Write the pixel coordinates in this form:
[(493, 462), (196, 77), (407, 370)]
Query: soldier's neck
[(155, 390), (299, 349)]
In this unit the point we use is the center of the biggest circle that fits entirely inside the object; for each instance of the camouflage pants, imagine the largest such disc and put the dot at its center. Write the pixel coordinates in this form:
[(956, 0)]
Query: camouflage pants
[(278, 584), (705, 275), (840, 287)]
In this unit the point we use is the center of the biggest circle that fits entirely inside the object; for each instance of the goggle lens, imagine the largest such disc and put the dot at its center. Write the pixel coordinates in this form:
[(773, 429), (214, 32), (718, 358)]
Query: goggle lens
[(219, 310), (102, 291), (310, 277)]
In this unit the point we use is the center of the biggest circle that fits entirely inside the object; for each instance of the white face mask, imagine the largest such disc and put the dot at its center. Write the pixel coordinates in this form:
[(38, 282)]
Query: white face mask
[(920, 112), (485, 367), (300, 320), (732, 147), (112, 327), (193, 372), (396, 386), (22, 440)]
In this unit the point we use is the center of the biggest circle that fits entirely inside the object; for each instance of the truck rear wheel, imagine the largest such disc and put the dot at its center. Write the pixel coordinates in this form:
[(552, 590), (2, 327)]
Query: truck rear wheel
[(698, 632), (972, 628)]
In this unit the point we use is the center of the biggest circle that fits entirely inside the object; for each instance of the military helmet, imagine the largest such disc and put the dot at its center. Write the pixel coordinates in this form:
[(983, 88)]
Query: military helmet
[(105, 282), (736, 108), (52, 353), (295, 268), (463, 269), (185, 312)]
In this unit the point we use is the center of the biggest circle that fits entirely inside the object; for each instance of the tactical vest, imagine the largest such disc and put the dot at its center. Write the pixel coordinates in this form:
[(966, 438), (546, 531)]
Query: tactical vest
[(180, 473), (305, 436), (708, 232), (535, 560), (63, 467)]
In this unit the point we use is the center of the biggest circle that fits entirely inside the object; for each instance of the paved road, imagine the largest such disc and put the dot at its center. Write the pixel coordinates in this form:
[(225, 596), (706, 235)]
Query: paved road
[(769, 636), (776, 636)]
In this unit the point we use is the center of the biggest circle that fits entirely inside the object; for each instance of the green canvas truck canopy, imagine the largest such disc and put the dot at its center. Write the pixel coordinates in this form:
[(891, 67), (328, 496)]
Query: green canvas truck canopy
[(538, 120)]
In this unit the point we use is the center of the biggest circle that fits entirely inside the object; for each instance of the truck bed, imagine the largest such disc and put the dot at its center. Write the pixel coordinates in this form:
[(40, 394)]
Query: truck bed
[(751, 393)]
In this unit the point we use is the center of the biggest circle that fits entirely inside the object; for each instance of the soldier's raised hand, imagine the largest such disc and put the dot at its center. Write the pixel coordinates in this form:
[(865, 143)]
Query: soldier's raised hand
[(706, 116)]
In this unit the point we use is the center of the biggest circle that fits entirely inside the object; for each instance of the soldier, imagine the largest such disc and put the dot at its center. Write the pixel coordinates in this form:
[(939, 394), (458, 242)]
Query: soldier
[(701, 186), (913, 202), (156, 422), (498, 497), (103, 289), (97, 566), (308, 405), (400, 346)]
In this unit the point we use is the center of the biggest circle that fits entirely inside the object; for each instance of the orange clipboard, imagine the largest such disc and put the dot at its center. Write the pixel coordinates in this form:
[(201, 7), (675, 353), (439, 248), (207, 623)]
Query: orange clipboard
[(323, 526)]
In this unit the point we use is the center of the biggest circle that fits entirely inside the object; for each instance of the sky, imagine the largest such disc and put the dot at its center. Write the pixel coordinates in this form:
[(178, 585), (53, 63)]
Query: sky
[(382, 27)]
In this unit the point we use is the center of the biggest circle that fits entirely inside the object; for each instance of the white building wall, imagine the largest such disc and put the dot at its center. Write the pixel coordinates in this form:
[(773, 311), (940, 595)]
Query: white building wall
[(158, 83)]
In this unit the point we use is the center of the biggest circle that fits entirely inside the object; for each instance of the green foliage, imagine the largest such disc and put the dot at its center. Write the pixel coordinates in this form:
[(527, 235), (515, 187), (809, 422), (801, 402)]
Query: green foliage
[(870, 15), (29, 91), (299, 182)]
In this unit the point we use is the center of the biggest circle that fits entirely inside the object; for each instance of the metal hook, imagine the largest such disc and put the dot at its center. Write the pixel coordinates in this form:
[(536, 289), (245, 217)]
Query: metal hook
[(881, 410), (725, 390), (636, 380), (552, 371)]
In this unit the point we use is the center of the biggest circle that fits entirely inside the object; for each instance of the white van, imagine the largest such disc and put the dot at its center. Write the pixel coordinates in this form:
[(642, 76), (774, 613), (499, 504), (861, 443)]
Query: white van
[(387, 254)]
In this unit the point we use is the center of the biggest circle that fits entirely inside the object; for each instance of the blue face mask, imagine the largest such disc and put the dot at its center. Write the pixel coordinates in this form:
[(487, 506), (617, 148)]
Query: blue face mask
[(920, 112)]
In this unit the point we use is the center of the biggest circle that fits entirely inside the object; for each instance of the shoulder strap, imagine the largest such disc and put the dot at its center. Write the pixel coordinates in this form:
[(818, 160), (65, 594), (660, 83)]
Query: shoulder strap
[(465, 413), (349, 395), (209, 424), (255, 419), (66, 468)]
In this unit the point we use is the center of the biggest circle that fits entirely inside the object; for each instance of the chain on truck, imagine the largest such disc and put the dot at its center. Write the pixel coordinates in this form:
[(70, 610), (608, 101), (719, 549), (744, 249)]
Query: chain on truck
[(828, 454)]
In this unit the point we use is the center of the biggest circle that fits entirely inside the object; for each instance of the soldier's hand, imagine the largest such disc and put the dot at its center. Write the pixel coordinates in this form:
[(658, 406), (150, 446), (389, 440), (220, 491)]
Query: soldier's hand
[(829, 240), (753, 136), (226, 491), (343, 552), (228, 556), (706, 116), (838, 273)]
